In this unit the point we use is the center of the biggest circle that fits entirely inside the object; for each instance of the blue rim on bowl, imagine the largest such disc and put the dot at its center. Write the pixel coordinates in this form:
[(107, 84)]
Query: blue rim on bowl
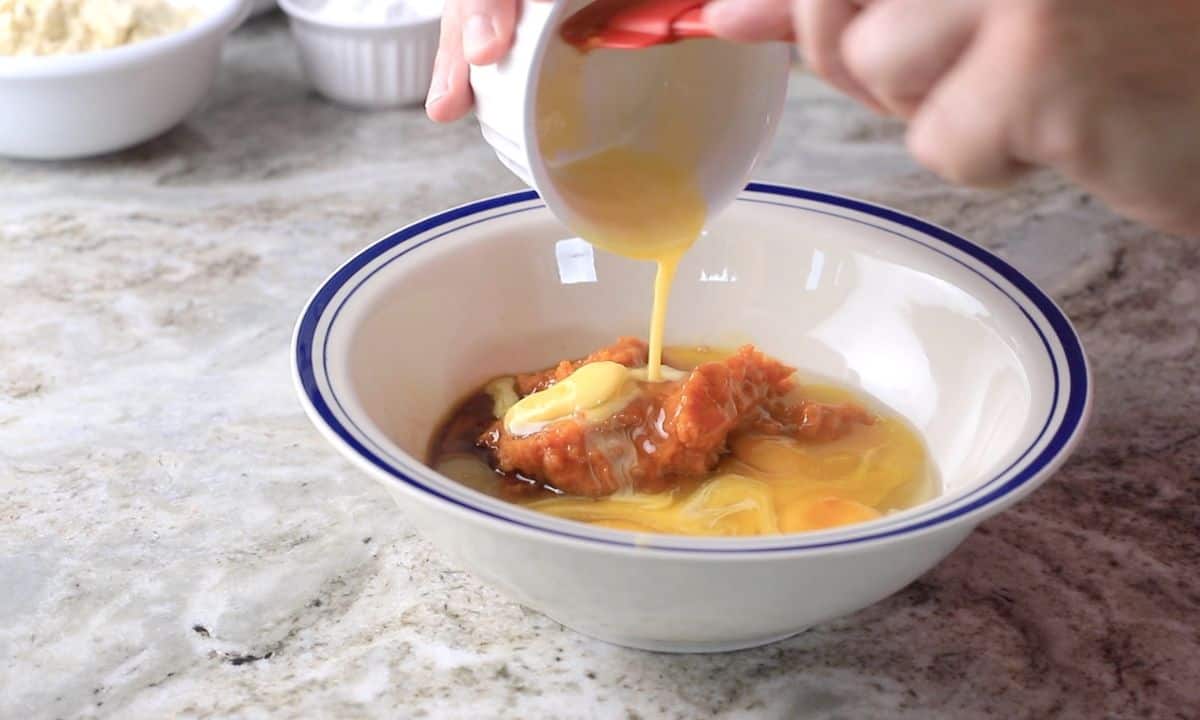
[(1059, 433)]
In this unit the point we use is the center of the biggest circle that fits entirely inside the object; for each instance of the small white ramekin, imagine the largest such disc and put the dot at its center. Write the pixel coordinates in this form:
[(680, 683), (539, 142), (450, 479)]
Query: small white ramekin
[(366, 65), (746, 86)]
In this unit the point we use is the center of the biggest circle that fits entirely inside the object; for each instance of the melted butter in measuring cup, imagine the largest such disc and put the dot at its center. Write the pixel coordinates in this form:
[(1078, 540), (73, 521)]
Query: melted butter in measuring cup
[(636, 202)]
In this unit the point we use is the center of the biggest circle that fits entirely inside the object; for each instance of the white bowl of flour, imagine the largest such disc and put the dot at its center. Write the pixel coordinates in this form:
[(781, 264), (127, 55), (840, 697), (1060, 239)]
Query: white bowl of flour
[(98, 83)]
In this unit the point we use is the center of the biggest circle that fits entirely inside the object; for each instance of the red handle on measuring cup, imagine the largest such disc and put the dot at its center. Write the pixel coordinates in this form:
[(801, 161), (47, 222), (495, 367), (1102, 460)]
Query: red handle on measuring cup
[(633, 24)]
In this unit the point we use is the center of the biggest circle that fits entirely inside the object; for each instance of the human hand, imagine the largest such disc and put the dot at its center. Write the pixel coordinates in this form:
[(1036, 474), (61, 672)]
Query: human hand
[(1100, 90), (474, 32)]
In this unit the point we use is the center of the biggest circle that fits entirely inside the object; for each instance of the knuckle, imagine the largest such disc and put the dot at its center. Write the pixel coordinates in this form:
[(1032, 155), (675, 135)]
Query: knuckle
[(955, 159), (865, 55), (871, 59), (1053, 120), (1062, 136), (928, 150)]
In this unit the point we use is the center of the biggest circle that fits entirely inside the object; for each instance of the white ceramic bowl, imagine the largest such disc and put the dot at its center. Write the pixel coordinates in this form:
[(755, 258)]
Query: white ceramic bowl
[(734, 118), (71, 106), (969, 350), (364, 63)]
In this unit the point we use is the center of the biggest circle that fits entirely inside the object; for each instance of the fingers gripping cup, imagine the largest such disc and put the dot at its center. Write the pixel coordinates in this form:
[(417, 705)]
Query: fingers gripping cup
[(647, 135)]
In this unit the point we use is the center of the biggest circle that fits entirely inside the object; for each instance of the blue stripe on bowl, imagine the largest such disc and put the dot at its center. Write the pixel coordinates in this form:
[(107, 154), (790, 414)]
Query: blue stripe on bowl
[(1078, 385)]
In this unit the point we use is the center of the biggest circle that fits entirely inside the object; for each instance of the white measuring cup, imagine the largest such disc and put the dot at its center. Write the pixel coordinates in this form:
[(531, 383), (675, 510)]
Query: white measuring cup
[(730, 101)]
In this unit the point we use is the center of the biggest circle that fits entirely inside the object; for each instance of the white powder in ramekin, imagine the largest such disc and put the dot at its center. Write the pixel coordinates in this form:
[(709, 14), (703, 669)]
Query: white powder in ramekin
[(374, 11)]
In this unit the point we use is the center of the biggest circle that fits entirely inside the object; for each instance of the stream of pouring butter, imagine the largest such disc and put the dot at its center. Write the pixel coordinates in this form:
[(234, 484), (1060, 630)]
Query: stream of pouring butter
[(641, 199), (639, 203)]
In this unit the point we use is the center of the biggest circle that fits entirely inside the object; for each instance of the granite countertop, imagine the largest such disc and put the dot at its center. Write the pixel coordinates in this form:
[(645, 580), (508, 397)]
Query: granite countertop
[(177, 540)]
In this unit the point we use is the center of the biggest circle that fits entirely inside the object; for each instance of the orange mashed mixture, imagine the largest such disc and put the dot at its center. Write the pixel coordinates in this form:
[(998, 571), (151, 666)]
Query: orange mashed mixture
[(733, 446)]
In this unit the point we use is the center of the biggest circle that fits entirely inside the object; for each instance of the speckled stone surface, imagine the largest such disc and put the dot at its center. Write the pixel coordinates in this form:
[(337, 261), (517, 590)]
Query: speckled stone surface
[(176, 540)]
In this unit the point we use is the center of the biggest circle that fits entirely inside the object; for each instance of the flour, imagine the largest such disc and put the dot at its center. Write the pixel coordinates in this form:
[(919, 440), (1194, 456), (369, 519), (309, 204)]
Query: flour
[(61, 27)]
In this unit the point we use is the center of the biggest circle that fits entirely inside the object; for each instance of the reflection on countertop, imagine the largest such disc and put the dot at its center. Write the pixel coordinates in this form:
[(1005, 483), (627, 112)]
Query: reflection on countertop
[(177, 540)]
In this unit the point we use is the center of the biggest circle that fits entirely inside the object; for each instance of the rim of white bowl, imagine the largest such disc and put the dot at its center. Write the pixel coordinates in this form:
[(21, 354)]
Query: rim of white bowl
[(294, 10), (218, 16), (1060, 432)]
